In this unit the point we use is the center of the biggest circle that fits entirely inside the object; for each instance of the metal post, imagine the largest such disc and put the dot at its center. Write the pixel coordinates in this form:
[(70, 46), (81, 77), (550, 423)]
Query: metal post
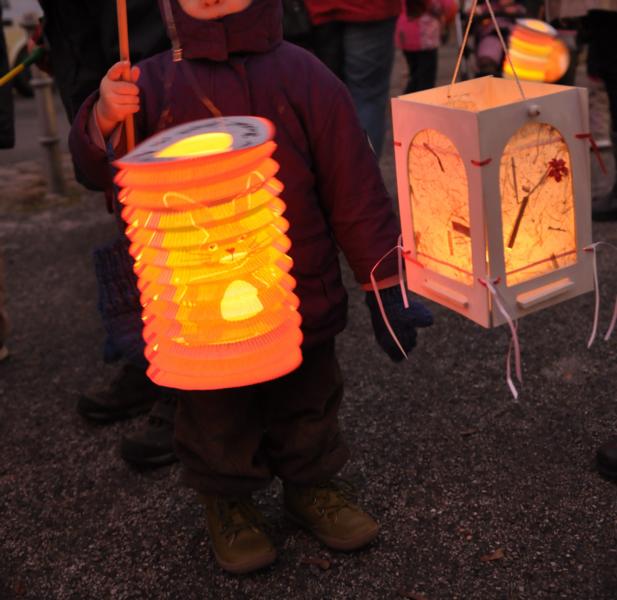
[(42, 85)]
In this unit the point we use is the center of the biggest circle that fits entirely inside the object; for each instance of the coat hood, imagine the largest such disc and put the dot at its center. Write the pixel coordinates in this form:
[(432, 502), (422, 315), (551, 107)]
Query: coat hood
[(256, 29)]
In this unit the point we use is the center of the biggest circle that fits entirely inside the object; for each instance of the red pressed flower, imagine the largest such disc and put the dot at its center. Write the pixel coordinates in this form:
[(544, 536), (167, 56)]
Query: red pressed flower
[(557, 169)]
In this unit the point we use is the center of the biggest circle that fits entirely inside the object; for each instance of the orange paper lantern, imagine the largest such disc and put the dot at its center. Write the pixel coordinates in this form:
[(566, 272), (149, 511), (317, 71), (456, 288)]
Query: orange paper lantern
[(535, 52), (208, 238)]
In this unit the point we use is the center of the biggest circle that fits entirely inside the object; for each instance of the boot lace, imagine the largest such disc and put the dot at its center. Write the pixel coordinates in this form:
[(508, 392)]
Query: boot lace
[(331, 497), (237, 515)]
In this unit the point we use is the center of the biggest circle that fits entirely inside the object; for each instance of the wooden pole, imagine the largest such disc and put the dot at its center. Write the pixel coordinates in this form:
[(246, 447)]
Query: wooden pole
[(125, 55)]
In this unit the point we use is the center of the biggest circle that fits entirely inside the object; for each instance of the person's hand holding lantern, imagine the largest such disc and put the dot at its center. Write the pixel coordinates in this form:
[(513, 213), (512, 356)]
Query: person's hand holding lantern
[(118, 98), (403, 321)]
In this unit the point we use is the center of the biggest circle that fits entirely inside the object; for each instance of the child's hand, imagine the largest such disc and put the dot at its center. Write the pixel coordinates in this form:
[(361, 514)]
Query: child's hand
[(118, 99), (402, 320)]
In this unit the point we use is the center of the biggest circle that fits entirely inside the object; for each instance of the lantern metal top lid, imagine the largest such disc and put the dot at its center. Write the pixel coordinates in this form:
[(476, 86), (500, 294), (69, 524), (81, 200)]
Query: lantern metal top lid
[(198, 140), (537, 26), (484, 94)]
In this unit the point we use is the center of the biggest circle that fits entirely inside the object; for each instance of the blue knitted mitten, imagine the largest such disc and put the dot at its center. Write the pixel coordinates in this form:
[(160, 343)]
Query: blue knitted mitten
[(403, 321)]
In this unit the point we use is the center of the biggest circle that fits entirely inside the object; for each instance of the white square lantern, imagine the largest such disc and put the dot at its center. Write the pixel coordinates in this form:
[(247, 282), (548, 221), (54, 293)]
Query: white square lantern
[(494, 187)]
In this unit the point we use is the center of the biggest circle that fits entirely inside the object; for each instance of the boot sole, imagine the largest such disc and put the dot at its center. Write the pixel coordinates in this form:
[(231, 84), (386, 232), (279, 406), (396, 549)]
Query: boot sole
[(153, 461), (101, 417), (335, 543), (249, 566), (607, 472)]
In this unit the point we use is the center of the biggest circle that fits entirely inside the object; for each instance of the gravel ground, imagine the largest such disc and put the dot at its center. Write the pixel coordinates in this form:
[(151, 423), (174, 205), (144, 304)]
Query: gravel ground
[(480, 497)]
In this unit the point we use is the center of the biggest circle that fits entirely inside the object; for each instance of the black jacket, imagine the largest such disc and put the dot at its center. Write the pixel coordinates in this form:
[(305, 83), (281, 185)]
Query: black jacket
[(83, 40)]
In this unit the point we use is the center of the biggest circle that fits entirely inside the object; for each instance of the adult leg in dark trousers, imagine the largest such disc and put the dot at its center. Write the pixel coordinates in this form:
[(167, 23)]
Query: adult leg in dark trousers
[(361, 55), (422, 66), (602, 61), (7, 140), (83, 44)]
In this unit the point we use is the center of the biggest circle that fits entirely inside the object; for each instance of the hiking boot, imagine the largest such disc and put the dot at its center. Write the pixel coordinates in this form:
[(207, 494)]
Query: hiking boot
[(130, 394), (327, 511), (153, 445), (236, 533), (606, 458), (604, 208)]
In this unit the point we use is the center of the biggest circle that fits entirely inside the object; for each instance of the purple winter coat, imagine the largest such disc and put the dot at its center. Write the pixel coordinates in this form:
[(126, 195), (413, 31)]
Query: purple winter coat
[(333, 187)]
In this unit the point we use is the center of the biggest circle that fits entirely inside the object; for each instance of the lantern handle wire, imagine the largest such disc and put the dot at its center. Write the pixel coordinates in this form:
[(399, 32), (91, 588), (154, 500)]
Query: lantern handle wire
[(505, 49), (594, 330), (123, 42), (472, 14)]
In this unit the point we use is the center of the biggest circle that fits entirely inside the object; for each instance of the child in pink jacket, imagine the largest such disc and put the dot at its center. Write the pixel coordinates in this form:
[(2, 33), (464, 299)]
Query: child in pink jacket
[(418, 35)]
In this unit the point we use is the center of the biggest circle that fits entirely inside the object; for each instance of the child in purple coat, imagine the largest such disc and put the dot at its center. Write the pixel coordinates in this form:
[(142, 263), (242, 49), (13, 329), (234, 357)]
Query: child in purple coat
[(228, 56)]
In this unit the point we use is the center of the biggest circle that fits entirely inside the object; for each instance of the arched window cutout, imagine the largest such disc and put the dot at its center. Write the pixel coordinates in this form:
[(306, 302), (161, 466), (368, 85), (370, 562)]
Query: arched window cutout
[(440, 206), (537, 203)]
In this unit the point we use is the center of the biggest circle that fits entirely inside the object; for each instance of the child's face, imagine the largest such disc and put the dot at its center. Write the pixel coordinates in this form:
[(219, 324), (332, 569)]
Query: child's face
[(212, 9)]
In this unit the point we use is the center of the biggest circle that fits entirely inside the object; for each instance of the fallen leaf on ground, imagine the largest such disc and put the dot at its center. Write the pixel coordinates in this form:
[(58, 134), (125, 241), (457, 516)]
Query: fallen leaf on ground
[(496, 555), (469, 432), (412, 595), (323, 563)]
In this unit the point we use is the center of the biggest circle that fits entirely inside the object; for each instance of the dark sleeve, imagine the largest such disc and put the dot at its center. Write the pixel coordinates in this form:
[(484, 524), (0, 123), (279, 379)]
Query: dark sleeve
[(353, 195), (7, 122), (78, 63), (89, 160)]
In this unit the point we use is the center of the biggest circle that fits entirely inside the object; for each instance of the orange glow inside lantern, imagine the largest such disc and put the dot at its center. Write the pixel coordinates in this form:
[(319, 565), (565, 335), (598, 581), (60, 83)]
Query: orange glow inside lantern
[(535, 52), (537, 204), (208, 238)]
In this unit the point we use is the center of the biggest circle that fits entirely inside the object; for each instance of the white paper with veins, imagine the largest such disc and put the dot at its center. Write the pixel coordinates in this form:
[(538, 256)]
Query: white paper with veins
[(537, 203), (440, 206)]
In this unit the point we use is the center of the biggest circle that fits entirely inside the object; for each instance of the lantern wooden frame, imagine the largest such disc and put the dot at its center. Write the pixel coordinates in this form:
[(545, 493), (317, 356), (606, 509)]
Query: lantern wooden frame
[(480, 136)]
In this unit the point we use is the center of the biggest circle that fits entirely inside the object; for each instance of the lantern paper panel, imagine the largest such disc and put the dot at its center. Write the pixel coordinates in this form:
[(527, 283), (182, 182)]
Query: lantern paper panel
[(441, 229), (204, 217), (537, 203), (493, 187)]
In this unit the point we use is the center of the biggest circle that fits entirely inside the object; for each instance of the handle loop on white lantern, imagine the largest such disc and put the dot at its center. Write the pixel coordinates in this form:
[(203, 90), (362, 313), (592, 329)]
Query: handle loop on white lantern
[(472, 14), (514, 341), (596, 316), (399, 249)]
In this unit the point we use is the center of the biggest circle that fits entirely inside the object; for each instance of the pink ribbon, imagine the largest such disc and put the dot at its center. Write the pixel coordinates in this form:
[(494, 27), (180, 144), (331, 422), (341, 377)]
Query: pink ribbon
[(596, 316), (514, 342), (398, 248)]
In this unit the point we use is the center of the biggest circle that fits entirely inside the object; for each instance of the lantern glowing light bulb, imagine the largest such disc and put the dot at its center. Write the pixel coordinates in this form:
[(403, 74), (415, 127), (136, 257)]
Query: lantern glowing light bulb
[(208, 238)]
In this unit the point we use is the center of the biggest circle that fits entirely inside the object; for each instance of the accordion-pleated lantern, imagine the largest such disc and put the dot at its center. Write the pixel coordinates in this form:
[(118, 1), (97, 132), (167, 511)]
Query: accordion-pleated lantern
[(495, 188), (204, 218), (536, 52)]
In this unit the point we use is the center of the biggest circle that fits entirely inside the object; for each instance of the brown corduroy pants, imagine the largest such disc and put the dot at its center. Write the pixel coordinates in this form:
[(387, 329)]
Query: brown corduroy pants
[(234, 441)]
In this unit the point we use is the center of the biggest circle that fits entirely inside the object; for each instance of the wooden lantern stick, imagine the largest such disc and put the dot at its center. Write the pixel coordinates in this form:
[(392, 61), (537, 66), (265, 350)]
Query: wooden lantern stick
[(123, 40)]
